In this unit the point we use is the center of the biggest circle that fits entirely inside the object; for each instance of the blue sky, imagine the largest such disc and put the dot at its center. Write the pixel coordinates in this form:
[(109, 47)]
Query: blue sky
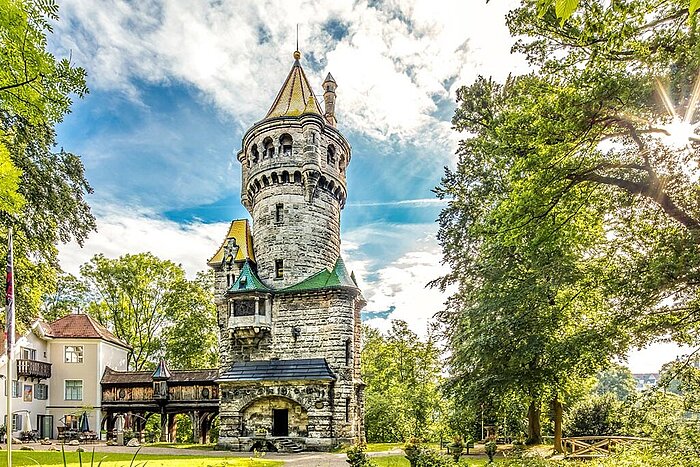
[(174, 85)]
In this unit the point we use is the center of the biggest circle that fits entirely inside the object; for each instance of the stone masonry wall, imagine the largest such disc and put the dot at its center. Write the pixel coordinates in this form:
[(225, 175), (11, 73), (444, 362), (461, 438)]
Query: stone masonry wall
[(306, 240)]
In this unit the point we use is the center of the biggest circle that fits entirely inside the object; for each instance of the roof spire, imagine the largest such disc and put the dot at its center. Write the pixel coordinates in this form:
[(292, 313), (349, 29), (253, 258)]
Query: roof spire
[(297, 54)]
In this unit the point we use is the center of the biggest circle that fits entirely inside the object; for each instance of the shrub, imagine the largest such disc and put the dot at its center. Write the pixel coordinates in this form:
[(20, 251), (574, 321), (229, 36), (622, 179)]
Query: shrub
[(595, 416), (490, 449), (357, 457)]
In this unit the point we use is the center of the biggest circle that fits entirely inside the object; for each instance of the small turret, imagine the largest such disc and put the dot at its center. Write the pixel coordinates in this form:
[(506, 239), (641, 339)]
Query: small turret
[(329, 86)]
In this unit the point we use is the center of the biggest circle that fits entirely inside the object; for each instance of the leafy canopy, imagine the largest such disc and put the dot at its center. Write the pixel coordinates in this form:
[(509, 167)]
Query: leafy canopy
[(41, 190)]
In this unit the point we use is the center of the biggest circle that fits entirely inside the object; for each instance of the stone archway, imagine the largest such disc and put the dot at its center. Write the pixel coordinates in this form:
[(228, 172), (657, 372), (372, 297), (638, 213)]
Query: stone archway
[(274, 415)]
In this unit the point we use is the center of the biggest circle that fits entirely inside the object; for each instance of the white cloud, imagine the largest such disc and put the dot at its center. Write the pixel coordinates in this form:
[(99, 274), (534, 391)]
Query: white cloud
[(399, 282), (395, 61), (651, 358), (121, 232)]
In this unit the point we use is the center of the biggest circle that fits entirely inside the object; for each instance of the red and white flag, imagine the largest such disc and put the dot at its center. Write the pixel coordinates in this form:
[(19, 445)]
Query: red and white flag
[(10, 298)]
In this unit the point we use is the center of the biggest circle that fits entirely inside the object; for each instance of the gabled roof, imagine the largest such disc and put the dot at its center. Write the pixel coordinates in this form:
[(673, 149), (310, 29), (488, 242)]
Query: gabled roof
[(248, 281), (296, 96), (325, 279), (315, 369), (81, 326), (240, 232)]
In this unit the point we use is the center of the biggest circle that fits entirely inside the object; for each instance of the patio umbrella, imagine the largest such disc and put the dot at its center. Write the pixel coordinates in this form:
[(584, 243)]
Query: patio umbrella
[(84, 422), (119, 423), (29, 422)]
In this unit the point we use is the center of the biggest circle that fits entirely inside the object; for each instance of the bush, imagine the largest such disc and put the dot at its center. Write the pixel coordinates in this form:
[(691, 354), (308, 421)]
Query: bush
[(357, 457), (419, 455), (596, 416)]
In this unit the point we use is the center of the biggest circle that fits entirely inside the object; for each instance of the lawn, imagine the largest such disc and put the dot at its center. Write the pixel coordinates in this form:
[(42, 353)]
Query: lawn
[(44, 459), (400, 461)]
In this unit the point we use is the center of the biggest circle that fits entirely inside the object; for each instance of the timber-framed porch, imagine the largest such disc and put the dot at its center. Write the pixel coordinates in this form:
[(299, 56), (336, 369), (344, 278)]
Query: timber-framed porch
[(130, 398)]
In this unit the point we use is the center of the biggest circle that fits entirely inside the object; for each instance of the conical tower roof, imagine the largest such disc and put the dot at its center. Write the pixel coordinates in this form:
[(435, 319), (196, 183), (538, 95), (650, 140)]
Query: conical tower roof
[(296, 96)]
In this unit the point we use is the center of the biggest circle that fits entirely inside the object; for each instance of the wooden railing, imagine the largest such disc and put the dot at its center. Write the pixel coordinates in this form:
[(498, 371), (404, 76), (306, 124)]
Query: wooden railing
[(587, 447), (33, 369)]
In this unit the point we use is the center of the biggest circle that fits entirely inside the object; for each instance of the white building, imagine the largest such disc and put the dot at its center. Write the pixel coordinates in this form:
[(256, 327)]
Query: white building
[(56, 374)]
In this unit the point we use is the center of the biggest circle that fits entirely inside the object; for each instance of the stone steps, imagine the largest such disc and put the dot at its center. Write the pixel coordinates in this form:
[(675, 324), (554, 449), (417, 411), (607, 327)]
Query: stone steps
[(289, 446)]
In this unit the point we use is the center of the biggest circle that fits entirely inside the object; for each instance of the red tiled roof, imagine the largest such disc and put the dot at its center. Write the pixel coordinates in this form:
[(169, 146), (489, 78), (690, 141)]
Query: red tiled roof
[(82, 326)]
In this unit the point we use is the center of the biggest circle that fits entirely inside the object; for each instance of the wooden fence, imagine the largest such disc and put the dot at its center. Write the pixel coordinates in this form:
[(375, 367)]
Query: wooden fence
[(587, 447)]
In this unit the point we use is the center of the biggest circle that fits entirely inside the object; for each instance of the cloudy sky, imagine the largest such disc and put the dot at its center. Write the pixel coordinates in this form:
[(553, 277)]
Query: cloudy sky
[(174, 85)]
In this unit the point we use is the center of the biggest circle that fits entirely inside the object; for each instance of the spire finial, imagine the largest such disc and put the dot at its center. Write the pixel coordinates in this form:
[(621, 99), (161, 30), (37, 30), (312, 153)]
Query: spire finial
[(297, 54)]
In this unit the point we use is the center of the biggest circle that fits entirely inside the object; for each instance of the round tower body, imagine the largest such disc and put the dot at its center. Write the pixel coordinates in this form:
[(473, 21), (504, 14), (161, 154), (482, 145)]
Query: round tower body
[(294, 187)]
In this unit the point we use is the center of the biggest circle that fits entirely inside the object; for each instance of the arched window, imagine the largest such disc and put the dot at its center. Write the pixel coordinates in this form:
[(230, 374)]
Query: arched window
[(257, 185), (341, 165), (322, 183), (330, 155), (254, 154), (286, 144), (331, 186), (285, 177), (266, 182), (275, 178), (297, 177), (269, 148)]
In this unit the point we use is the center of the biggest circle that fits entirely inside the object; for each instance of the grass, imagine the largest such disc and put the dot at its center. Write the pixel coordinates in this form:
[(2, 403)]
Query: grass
[(401, 461), (46, 459), (199, 447), (381, 447)]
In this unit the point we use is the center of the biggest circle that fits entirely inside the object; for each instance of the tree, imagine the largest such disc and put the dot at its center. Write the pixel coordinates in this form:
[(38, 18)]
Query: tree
[(69, 296), (47, 206), (616, 380), (402, 375), (149, 303), (573, 216)]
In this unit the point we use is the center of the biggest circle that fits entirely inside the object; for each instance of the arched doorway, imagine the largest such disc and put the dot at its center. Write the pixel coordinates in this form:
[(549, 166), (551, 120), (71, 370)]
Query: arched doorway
[(276, 416)]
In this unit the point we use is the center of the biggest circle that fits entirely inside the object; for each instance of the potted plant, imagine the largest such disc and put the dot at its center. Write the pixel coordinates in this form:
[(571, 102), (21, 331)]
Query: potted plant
[(490, 449), (412, 448), (456, 448)]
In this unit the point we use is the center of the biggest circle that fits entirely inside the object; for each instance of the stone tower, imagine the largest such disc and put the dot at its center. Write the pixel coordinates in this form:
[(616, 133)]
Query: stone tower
[(288, 310)]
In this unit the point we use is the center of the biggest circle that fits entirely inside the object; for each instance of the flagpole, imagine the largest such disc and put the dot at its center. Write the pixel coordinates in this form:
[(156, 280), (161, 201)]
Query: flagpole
[(10, 323)]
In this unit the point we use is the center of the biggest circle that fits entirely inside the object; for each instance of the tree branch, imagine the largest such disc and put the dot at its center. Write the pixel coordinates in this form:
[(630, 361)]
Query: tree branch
[(652, 191)]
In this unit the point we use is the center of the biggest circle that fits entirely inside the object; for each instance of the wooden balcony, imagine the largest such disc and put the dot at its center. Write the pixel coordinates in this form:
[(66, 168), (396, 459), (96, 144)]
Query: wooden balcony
[(33, 369)]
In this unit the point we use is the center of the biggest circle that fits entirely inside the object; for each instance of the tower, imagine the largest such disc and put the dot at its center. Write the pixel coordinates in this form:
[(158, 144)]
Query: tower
[(288, 310)]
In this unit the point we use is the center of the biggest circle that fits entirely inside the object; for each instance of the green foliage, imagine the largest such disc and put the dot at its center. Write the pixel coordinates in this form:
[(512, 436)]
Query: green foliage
[(572, 225), (149, 303), (357, 457), (184, 432), (419, 455), (596, 416), (41, 191), (69, 296), (402, 374), (617, 380)]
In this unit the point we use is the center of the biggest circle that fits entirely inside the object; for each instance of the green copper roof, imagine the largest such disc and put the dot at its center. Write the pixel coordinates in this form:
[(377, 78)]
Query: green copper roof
[(325, 279), (248, 281)]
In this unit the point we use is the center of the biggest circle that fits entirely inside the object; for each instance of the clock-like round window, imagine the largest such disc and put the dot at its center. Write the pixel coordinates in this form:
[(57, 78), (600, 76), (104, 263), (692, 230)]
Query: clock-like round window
[(121, 394), (205, 393)]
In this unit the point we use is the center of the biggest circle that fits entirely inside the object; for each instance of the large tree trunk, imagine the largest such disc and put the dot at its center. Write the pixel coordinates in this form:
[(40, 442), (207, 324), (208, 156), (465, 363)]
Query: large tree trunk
[(558, 416), (534, 429)]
